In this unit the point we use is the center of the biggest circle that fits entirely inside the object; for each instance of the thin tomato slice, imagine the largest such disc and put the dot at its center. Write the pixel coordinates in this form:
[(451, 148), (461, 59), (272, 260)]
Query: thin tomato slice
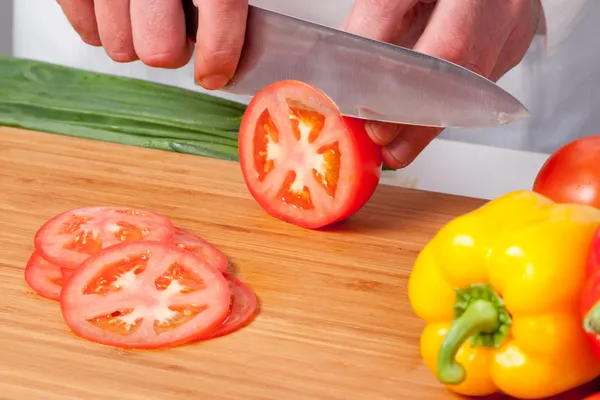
[(242, 309), (66, 273), (144, 295), (71, 237), (43, 277), (302, 161), (187, 240)]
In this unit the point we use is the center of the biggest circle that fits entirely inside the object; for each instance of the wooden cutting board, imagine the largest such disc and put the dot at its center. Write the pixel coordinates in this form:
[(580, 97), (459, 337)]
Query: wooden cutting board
[(334, 323)]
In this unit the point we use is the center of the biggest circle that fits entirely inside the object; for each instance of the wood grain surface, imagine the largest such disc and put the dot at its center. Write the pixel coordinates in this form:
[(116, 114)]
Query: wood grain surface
[(334, 321)]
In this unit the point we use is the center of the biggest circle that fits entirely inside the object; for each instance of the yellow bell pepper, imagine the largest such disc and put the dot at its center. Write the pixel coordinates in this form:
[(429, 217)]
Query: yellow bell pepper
[(498, 288)]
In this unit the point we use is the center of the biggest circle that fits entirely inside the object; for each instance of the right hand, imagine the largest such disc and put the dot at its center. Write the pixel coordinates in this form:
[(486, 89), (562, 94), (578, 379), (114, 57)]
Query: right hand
[(153, 31)]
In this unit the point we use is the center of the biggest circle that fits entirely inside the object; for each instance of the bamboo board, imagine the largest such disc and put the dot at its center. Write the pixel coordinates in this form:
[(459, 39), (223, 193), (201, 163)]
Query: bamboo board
[(334, 321)]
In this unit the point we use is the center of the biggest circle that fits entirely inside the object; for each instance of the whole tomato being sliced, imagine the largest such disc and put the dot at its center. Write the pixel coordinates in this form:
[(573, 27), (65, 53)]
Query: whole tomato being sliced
[(572, 173), (143, 295), (70, 238), (302, 161)]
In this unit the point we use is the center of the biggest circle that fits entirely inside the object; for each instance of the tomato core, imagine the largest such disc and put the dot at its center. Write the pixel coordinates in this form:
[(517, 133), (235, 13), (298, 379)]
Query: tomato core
[(303, 159)]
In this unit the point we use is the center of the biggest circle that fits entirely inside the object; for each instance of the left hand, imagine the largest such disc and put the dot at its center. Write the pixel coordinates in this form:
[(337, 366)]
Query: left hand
[(487, 37)]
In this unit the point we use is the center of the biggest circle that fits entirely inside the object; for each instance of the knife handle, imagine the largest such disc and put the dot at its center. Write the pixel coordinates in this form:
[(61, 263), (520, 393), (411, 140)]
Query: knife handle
[(191, 19)]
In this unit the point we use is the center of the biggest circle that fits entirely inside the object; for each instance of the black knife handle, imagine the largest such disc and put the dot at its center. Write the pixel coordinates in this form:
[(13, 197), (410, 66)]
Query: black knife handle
[(191, 19)]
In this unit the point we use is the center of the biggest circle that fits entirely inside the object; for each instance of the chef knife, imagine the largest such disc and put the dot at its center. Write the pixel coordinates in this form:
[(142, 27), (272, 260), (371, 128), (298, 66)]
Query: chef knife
[(365, 78)]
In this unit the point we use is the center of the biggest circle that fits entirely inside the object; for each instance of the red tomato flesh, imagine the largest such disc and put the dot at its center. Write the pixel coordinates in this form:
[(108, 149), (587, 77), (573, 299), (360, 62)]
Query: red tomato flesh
[(66, 273), (144, 294), (43, 277), (572, 173), (242, 309), (303, 162), (189, 241), (71, 237)]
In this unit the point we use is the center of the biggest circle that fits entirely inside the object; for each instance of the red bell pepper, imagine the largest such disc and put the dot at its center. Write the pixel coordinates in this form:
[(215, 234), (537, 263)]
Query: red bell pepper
[(590, 296)]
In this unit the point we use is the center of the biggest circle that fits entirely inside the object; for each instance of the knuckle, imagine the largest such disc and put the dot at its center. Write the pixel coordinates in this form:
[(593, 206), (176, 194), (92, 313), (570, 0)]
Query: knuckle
[(455, 46)]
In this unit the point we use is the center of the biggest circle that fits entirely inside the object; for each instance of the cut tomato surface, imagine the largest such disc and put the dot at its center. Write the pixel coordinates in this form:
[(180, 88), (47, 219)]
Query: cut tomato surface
[(43, 277), (145, 294), (71, 237), (187, 240), (302, 161), (242, 308)]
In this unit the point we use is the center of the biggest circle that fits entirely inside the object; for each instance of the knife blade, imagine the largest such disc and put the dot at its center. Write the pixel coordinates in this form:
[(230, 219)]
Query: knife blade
[(365, 78)]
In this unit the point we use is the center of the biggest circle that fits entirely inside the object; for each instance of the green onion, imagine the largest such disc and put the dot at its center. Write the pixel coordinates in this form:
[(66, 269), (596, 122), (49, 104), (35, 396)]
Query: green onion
[(68, 101)]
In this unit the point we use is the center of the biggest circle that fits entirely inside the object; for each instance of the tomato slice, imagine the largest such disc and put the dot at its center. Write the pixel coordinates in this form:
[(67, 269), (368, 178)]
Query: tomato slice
[(66, 273), (189, 241), (71, 237), (303, 162), (242, 309), (43, 277), (144, 294)]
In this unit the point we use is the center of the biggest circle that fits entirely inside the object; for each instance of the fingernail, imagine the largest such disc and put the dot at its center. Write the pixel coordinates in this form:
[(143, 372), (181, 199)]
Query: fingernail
[(213, 82)]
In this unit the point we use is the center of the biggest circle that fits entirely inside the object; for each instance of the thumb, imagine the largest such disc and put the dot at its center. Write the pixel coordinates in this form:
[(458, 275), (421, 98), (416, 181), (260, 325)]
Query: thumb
[(377, 19)]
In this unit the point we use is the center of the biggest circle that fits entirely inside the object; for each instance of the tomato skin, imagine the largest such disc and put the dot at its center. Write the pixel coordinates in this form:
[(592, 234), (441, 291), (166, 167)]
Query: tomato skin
[(590, 296), (141, 295), (595, 396), (43, 277), (358, 179), (187, 240), (51, 242), (67, 273), (243, 307), (572, 173), (371, 162)]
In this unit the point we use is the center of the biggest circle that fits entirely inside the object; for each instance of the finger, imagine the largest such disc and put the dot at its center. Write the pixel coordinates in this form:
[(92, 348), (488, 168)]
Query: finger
[(519, 40), (388, 21), (221, 31), (114, 27), (409, 143), (470, 33), (382, 133), (377, 19), (159, 35), (80, 14)]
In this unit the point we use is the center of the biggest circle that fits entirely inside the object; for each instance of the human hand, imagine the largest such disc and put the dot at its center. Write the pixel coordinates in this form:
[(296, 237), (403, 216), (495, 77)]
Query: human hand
[(487, 37), (154, 32)]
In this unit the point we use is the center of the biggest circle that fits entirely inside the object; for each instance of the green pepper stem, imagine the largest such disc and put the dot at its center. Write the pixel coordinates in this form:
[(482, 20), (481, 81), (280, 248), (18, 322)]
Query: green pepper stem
[(591, 322), (480, 316)]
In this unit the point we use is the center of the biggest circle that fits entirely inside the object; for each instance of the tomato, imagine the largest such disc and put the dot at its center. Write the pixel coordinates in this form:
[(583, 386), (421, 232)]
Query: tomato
[(595, 396), (207, 251), (71, 237), (43, 277), (302, 161), (572, 173), (144, 294), (66, 273), (242, 308)]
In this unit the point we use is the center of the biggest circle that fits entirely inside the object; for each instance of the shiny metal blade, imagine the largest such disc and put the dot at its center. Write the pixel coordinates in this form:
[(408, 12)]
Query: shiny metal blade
[(366, 78)]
